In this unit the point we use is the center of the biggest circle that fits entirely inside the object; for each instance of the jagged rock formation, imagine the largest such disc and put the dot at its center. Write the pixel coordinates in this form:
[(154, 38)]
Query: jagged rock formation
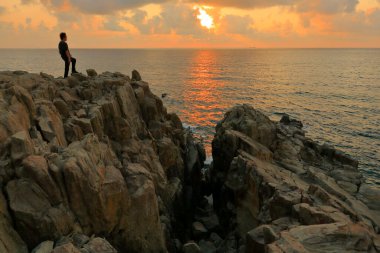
[(278, 191), (95, 164), (91, 156)]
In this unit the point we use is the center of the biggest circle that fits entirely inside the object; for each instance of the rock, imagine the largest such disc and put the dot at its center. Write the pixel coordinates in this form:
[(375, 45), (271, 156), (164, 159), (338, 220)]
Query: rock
[(99, 245), (91, 72), (255, 239), (44, 75), (207, 247), (318, 215), (136, 75), (370, 195), (286, 193), (44, 247), (30, 205), (269, 235), (335, 237), (21, 146), (36, 169), (199, 229), (83, 156), (66, 248), (143, 197), (10, 240), (191, 247), (211, 222), (348, 187), (79, 240), (164, 95), (79, 76), (215, 239)]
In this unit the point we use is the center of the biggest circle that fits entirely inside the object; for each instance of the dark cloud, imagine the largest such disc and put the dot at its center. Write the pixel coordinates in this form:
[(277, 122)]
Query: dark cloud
[(110, 6), (324, 6), (103, 6), (327, 6), (244, 4)]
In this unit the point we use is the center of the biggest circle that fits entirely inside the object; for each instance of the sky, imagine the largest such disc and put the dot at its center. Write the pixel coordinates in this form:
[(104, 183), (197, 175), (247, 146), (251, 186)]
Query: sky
[(191, 23)]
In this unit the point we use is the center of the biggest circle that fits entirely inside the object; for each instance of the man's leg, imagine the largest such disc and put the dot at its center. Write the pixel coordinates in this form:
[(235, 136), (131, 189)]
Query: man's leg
[(67, 67), (73, 62)]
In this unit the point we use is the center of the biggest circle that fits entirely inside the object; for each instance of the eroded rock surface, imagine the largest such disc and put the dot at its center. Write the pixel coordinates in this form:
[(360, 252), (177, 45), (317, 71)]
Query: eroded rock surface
[(94, 156), (278, 191)]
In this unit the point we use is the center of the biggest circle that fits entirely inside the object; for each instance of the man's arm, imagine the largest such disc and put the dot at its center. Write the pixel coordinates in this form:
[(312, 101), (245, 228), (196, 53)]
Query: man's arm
[(68, 55)]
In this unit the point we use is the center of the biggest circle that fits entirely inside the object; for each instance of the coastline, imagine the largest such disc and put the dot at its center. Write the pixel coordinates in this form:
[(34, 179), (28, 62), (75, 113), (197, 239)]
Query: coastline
[(100, 163)]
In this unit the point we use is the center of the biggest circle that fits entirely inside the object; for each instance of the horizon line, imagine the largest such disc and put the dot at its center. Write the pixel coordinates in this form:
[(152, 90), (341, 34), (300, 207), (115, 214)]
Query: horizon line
[(191, 48)]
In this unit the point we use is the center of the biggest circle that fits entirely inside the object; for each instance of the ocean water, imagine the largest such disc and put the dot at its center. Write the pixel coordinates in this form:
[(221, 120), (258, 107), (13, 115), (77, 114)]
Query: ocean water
[(335, 92)]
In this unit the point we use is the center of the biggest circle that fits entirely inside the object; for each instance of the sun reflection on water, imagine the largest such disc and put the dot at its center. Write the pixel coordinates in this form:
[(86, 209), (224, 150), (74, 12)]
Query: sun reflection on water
[(203, 103)]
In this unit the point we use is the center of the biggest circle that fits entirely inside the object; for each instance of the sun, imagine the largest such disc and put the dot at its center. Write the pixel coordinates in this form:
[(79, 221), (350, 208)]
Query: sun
[(205, 19)]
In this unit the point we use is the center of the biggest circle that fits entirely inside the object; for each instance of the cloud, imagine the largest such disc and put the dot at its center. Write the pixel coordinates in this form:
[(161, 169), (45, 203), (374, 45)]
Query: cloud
[(327, 6), (244, 4), (2, 10), (174, 18), (235, 24), (113, 24), (324, 6), (101, 6)]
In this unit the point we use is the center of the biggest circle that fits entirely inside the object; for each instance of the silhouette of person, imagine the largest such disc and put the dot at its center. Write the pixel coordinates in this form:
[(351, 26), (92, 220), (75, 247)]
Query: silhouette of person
[(66, 55)]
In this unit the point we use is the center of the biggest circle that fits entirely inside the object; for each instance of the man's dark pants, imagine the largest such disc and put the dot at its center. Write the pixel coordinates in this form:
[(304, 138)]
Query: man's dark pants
[(67, 65)]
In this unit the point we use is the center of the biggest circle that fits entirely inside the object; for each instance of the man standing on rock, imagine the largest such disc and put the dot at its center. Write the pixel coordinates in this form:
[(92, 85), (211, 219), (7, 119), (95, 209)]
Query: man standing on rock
[(66, 56)]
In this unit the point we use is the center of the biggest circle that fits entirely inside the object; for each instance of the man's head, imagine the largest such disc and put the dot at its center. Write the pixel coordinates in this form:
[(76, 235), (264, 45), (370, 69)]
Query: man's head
[(63, 36)]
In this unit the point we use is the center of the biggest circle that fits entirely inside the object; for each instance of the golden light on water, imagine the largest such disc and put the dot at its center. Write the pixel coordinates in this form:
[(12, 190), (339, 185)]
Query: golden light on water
[(205, 19)]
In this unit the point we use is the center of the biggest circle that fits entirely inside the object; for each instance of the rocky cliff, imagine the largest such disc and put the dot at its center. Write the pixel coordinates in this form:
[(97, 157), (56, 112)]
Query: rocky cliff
[(92, 164), (278, 191), (95, 164)]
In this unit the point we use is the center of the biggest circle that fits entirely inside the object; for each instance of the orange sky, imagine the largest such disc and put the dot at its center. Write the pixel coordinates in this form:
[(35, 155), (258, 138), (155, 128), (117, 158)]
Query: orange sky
[(190, 23)]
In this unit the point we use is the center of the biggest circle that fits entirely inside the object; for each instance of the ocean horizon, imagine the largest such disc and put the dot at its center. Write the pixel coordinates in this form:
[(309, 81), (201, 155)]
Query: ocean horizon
[(335, 92)]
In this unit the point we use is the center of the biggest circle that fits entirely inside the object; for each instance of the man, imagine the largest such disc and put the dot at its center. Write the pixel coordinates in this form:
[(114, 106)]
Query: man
[(66, 56)]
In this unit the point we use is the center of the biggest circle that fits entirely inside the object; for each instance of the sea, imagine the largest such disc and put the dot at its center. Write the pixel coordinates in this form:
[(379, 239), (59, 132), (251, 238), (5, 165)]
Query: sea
[(334, 92)]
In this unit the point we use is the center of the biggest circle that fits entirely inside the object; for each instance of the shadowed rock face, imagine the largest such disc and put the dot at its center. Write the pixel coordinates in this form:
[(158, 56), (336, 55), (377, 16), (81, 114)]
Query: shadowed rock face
[(90, 156), (282, 192)]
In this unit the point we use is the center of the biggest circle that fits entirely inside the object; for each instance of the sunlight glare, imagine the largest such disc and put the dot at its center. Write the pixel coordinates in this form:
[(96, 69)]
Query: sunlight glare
[(205, 19)]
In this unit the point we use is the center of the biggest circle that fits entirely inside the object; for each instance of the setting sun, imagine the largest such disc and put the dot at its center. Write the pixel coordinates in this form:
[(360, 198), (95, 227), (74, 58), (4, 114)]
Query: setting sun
[(206, 19)]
